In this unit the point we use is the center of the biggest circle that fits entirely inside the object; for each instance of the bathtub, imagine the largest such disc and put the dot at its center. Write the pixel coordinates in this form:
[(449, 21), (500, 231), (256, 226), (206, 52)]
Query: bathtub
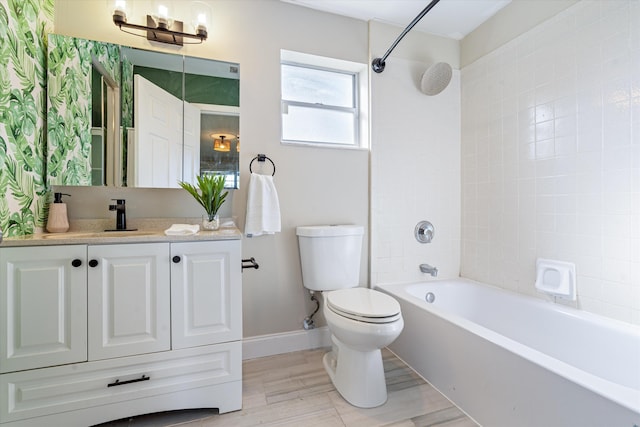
[(513, 360)]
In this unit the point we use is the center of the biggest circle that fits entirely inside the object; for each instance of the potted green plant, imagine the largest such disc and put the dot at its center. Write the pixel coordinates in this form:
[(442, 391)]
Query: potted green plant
[(211, 195)]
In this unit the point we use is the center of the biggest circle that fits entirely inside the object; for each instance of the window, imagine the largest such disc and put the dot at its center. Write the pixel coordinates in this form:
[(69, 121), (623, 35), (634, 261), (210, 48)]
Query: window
[(322, 101)]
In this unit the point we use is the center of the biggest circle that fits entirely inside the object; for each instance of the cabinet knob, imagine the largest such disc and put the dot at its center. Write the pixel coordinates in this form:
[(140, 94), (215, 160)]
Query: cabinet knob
[(76, 262), (176, 259), (93, 263)]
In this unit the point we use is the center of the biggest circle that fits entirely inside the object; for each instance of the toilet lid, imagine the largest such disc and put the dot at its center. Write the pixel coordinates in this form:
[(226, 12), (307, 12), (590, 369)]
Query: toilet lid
[(364, 305)]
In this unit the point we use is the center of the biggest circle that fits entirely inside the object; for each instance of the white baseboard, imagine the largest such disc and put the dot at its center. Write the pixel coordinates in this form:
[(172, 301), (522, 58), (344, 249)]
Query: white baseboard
[(286, 342)]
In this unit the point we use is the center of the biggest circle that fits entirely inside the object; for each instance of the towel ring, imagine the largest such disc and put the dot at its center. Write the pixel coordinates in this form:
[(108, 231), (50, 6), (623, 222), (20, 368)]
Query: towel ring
[(262, 158)]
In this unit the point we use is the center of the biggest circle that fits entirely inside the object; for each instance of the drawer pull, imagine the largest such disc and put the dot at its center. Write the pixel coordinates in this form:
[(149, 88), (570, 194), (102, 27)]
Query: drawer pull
[(137, 380)]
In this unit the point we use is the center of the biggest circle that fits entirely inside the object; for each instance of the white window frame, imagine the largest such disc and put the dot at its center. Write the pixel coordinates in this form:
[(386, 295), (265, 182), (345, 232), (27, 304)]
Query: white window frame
[(360, 93)]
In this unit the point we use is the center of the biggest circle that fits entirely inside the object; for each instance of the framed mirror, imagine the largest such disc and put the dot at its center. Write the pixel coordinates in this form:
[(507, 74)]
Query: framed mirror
[(120, 116)]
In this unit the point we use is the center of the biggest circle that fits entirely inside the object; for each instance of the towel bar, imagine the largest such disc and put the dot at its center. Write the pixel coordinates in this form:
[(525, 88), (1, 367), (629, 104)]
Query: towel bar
[(262, 158)]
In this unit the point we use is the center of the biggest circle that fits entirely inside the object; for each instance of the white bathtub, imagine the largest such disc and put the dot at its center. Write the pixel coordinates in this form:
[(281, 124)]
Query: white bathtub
[(512, 360)]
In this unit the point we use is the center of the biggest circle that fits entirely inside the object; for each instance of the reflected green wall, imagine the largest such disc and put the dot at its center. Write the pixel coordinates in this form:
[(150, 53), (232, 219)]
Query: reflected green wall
[(197, 88), (23, 36)]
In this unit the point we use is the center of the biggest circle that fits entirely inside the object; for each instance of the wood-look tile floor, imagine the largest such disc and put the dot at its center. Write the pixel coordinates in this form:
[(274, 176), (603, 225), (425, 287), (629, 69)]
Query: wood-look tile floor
[(293, 389)]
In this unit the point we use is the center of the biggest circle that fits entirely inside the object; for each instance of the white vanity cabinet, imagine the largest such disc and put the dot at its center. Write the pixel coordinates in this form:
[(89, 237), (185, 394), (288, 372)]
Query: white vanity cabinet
[(98, 332), (128, 299), (43, 307), (204, 292)]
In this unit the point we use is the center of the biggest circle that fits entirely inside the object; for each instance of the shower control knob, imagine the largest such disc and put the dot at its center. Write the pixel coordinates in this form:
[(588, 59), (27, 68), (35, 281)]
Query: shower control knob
[(424, 232)]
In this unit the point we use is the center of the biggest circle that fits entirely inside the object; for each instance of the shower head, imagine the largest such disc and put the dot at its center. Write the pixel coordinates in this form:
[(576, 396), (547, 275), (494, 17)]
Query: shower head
[(436, 78)]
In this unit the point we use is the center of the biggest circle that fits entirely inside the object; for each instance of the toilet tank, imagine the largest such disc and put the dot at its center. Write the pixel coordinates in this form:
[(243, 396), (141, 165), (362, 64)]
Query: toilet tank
[(330, 256)]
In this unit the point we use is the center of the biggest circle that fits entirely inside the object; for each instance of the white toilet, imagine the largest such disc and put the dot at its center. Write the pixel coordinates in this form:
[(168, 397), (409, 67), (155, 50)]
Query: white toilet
[(361, 320)]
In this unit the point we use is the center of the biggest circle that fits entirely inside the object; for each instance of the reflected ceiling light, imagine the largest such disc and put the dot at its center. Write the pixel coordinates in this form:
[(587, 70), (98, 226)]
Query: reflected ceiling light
[(222, 141), (161, 27)]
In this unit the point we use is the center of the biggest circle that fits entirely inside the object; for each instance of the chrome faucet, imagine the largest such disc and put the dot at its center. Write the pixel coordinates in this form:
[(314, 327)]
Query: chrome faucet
[(426, 268), (121, 214)]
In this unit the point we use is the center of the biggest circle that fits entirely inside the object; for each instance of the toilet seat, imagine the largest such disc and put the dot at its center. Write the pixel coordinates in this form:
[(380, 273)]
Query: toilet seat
[(363, 305)]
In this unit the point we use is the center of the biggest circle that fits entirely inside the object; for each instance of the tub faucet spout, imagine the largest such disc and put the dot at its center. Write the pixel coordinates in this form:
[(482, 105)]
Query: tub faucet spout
[(426, 268)]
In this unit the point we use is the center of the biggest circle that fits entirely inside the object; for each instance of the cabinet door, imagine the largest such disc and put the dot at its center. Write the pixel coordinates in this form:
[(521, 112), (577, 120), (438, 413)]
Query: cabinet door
[(206, 293), (128, 299), (43, 319)]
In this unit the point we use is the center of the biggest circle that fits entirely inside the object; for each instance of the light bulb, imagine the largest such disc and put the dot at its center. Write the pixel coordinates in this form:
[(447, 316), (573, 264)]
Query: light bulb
[(163, 15), (163, 12), (120, 11), (200, 17), (202, 22), (163, 9), (120, 6)]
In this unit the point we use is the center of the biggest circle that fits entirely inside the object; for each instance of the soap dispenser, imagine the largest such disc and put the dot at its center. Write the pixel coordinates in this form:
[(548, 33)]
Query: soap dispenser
[(58, 221)]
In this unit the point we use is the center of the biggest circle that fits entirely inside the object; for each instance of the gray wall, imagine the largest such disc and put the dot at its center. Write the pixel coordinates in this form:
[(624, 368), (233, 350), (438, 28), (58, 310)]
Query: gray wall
[(315, 186)]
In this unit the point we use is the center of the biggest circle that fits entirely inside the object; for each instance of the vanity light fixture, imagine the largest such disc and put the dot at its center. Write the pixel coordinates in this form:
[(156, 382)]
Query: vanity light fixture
[(222, 141), (161, 27)]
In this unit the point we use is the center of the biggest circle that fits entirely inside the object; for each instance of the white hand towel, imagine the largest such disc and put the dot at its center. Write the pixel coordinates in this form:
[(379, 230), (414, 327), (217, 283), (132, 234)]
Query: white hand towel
[(182, 229), (263, 207)]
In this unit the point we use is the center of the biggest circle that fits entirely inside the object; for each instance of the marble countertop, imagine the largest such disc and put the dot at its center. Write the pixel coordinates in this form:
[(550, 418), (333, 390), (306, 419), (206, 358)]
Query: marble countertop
[(147, 230)]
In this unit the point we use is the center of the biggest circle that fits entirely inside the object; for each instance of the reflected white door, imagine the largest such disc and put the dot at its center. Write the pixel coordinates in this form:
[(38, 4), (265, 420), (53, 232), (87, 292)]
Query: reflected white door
[(191, 142), (158, 136)]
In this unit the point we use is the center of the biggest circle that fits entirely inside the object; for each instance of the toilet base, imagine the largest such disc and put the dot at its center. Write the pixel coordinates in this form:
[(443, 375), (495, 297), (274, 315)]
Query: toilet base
[(357, 375)]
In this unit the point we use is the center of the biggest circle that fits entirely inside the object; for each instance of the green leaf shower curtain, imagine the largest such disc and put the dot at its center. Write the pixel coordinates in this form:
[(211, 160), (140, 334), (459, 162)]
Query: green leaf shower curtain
[(24, 25)]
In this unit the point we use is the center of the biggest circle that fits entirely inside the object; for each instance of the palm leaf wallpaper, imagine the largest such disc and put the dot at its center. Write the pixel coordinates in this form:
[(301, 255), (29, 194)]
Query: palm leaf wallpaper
[(24, 25)]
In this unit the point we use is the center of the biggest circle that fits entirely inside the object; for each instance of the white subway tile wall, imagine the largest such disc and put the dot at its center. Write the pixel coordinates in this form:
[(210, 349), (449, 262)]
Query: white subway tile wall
[(415, 162), (551, 157)]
